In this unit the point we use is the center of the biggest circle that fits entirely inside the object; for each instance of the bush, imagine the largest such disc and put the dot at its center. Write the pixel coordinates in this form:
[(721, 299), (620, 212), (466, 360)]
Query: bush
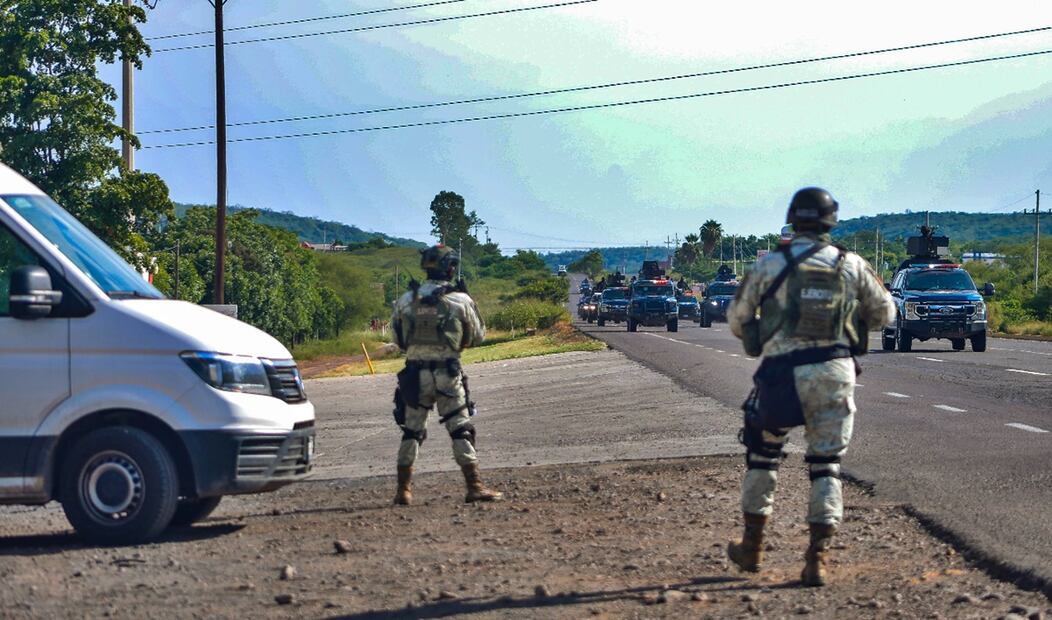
[(528, 313), (552, 290)]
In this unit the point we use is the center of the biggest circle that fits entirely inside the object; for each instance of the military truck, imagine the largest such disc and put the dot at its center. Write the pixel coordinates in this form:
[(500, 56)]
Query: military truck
[(718, 297), (935, 298), (652, 303), (613, 305), (651, 270)]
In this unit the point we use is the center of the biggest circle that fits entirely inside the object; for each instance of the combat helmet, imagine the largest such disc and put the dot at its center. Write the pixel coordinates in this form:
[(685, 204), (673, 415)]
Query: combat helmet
[(439, 260), (812, 205)]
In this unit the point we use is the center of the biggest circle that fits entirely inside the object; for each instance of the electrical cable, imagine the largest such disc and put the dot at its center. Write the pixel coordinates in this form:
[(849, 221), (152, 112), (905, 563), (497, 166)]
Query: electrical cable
[(305, 20), (575, 89), (420, 22), (599, 106)]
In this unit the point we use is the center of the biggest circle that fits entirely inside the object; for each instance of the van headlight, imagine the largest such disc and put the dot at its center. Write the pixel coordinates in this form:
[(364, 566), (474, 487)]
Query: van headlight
[(980, 311), (232, 373)]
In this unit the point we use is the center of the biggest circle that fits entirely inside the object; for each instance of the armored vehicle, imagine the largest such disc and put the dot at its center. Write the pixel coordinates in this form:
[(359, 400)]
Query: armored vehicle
[(718, 296), (689, 308), (935, 298), (651, 270), (653, 303)]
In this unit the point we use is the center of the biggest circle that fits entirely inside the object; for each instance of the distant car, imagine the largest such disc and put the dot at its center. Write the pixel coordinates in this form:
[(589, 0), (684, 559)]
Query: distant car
[(653, 303), (613, 305), (689, 308), (561, 270), (718, 296)]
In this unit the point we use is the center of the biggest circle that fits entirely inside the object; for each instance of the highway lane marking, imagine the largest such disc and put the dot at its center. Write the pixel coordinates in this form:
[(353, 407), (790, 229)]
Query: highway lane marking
[(897, 395), (859, 385), (1026, 427), (735, 355), (1021, 351), (1027, 372), (930, 359), (719, 351), (949, 408)]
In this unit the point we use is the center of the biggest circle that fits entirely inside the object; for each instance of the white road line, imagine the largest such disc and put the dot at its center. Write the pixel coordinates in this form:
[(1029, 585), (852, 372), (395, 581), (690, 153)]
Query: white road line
[(930, 359), (897, 395), (1026, 427), (859, 385), (735, 355), (1028, 372), (719, 351), (949, 408)]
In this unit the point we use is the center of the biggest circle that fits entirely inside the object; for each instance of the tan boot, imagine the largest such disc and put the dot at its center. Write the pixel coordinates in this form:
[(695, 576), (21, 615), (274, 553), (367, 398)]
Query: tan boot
[(748, 554), (814, 573), (404, 495), (477, 492)]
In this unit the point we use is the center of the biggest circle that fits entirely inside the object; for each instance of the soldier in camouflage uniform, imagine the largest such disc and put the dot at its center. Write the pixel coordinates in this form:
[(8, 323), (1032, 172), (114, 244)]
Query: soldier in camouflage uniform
[(433, 323), (826, 296)]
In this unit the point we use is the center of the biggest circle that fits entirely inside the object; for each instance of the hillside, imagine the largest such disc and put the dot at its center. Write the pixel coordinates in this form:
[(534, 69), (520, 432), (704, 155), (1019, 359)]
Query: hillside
[(961, 227), (312, 229)]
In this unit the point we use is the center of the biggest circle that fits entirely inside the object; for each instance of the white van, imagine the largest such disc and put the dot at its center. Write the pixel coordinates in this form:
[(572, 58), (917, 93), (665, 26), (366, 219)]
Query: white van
[(134, 411)]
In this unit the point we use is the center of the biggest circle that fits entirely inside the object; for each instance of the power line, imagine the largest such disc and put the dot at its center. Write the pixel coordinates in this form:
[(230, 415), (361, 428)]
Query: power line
[(306, 20), (420, 22), (574, 89), (1015, 202), (616, 104)]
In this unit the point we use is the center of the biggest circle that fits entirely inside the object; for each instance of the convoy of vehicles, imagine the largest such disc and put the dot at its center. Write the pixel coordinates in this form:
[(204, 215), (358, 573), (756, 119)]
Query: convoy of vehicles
[(134, 411)]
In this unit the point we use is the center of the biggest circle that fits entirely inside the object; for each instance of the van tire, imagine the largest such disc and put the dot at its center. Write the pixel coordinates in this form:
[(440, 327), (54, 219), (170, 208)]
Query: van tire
[(128, 467), (979, 342), (601, 322), (903, 340), (190, 511), (631, 325), (672, 325)]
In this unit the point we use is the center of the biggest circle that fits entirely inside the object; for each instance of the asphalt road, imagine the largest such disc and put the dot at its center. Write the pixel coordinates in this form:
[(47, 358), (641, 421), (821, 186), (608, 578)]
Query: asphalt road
[(962, 437)]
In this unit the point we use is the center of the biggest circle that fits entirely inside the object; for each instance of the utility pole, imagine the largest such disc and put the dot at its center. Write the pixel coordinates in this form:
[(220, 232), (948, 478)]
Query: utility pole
[(220, 280), (1037, 235), (460, 266), (177, 269), (127, 106)]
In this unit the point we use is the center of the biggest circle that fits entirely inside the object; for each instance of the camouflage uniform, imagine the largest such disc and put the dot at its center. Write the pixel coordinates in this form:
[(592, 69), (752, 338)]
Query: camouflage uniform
[(826, 389), (441, 386)]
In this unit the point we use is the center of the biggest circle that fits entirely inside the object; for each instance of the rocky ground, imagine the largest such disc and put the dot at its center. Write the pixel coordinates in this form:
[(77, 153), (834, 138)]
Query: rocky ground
[(620, 540)]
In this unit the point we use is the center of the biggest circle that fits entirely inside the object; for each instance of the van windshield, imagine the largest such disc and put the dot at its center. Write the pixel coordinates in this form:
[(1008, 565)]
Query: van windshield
[(89, 253), (939, 280)]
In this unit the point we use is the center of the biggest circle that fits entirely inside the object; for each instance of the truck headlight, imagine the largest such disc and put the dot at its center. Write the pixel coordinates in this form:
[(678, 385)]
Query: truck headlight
[(980, 311), (911, 311), (231, 373)]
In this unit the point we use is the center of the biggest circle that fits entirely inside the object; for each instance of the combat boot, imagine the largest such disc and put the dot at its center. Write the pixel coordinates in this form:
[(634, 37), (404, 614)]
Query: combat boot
[(748, 554), (404, 494), (814, 573), (477, 492)]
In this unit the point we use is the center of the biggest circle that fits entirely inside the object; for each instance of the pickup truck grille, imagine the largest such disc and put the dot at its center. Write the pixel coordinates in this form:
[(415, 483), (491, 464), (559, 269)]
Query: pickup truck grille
[(948, 311), (280, 457), (285, 382)]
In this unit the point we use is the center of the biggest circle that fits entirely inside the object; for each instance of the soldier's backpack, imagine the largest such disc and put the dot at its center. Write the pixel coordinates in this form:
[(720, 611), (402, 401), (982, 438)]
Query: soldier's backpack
[(432, 321)]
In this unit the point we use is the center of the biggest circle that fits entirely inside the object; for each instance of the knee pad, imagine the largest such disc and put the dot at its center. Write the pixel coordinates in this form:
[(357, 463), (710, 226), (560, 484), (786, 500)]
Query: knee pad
[(419, 435), (465, 431), (823, 466)]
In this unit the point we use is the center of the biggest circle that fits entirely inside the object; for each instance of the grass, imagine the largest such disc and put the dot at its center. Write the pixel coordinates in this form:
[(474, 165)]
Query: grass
[(347, 343), (560, 339), (1041, 329)]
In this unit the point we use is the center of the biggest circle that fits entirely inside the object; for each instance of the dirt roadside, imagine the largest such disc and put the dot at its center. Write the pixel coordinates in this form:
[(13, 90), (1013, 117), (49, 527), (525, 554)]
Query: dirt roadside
[(631, 537)]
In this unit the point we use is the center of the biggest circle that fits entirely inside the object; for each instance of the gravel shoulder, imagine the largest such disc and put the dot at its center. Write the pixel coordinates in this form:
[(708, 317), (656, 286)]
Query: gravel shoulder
[(622, 492)]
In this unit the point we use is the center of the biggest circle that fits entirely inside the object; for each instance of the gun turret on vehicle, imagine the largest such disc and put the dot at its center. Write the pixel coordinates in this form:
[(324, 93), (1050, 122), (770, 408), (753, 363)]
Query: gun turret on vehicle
[(651, 270)]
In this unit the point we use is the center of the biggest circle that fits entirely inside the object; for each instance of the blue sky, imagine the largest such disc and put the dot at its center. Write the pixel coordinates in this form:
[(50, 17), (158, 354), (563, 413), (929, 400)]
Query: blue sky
[(970, 138)]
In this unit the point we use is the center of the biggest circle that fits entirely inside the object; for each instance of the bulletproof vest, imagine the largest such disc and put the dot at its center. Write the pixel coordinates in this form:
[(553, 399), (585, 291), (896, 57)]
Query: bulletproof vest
[(432, 322), (817, 301)]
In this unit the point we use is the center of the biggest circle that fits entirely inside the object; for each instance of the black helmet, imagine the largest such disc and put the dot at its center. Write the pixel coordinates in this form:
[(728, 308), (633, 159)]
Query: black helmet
[(439, 259), (812, 205)]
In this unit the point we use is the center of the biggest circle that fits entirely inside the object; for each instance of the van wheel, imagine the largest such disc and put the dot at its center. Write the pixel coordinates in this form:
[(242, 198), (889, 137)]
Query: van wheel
[(190, 511), (631, 325), (672, 325), (118, 486), (979, 342), (958, 344), (705, 320), (887, 342), (601, 322)]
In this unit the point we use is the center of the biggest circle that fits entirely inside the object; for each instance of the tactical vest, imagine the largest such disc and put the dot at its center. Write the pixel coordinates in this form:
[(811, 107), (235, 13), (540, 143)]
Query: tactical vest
[(433, 323), (817, 301)]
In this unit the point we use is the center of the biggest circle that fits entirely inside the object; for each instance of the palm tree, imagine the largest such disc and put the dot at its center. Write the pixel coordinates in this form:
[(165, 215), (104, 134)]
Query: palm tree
[(687, 253), (711, 233)]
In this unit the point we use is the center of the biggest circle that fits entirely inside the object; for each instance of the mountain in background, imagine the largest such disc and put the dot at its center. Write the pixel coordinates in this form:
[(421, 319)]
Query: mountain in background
[(312, 229), (979, 230)]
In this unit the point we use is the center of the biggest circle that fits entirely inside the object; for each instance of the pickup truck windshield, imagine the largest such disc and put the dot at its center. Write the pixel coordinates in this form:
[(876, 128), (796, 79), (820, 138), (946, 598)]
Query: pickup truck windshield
[(614, 294), (93, 257), (653, 289), (939, 280), (721, 289)]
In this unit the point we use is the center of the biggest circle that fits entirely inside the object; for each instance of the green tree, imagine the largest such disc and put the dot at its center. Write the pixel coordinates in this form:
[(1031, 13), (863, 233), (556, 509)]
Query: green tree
[(591, 264), (450, 222), (711, 233), (687, 254)]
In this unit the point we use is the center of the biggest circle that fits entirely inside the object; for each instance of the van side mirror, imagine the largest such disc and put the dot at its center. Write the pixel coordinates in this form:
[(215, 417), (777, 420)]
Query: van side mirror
[(988, 289), (31, 295), (887, 286)]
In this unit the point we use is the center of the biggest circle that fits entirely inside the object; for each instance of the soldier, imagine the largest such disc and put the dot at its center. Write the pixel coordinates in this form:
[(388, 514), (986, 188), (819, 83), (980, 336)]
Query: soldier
[(433, 323), (807, 307)]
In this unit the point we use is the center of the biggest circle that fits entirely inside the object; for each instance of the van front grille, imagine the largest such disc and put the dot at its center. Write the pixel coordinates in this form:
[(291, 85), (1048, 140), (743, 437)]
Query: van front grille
[(285, 381), (279, 457)]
